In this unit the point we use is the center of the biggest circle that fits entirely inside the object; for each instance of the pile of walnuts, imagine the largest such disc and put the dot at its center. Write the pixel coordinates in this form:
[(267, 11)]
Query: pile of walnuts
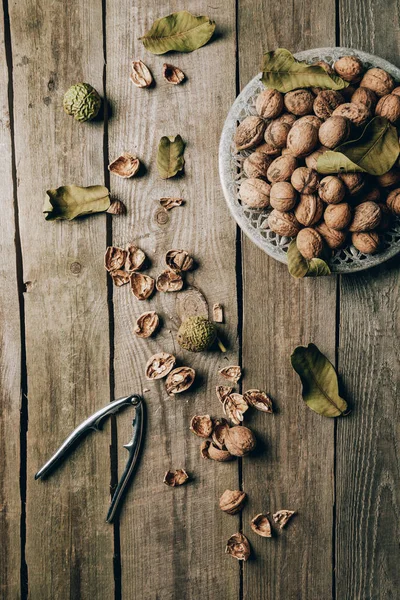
[(287, 137)]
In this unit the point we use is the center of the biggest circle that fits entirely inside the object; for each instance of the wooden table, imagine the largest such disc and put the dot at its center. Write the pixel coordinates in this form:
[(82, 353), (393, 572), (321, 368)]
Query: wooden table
[(68, 346)]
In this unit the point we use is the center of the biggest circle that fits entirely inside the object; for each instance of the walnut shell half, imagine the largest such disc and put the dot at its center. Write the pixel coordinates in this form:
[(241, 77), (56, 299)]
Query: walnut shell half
[(179, 260), (125, 166), (211, 451), (172, 74), (114, 258), (259, 400), (179, 380), (142, 286), (232, 373), (201, 425), (234, 407), (159, 365), (238, 546), (135, 258), (146, 324), (175, 478), (169, 281), (119, 277), (260, 524)]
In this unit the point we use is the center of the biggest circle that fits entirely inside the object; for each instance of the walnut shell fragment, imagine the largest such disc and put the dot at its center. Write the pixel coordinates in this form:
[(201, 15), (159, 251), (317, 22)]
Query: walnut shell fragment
[(140, 74), (234, 407), (218, 313), (172, 74), (232, 501), (174, 478), (142, 286), (209, 450), (125, 166), (171, 202), (259, 400), (223, 392), (114, 258), (232, 373), (238, 546), (261, 525), (119, 277), (179, 380), (220, 427), (146, 324), (179, 260), (169, 281), (201, 425), (116, 208), (282, 517), (159, 365), (135, 258)]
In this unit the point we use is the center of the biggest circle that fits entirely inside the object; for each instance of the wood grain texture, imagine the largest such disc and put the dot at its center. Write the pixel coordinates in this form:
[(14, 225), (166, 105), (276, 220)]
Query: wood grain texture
[(293, 467), (368, 443), (173, 540), (69, 548), (10, 358)]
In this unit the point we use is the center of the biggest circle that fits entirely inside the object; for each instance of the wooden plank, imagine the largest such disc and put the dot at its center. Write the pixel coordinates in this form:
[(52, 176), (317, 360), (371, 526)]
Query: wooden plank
[(294, 466), (368, 503), (10, 358), (173, 540), (69, 548)]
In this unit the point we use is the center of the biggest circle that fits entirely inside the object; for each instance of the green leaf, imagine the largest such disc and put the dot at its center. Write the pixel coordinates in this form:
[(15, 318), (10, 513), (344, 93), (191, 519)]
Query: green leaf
[(320, 384), (71, 201), (300, 267), (170, 156), (284, 73), (374, 152), (179, 32)]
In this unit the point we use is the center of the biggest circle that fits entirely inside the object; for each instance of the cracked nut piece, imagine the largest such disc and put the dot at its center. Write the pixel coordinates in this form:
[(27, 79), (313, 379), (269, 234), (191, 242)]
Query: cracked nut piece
[(358, 114), (169, 281), (305, 180), (142, 286), (179, 260), (276, 134), (269, 104), (179, 380), (218, 313), (159, 365), (338, 216), (393, 201), (334, 239), (390, 178), (283, 223), (378, 80), (326, 102), (309, 209), (223, 392), (261, 525), (234, 407), (309, 243), (119, 277), (220, 427), (282, 517), (312, 159), (239, 440), (249, 133), (201, 425), (334, 131), (116, 208), (367, 216), (281, 169), (389, 107), (174, 478), (331, 189), (114, 258), (209, 450), (354, 182), (135, 258), (299, 102), (140, 74), (283, 196), (125, 166), (366, 242), (365, 96), (256, 165), (255, 192), (171, 202), (233, 373), (172, 74), (349, 68), (259, 400), (146, 324), (302, 139), (238, 546), (232, 501)]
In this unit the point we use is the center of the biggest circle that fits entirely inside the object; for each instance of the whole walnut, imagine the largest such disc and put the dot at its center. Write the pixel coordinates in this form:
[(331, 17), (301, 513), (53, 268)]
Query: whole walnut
[(331, 190), (269, 104), (256, 165), (239, 440), (365, 96), (354, 182), (389, 107), (326, 66), (386, 217), (312, 119), (396, 91), (281, 168), (365, 242), (232, 501), (286, 118), (299, 102), (255, 192), (334, 131), (249, 133), (312, 159), (326, 102), (309, 243), (338, 216), (393, 201), (333, 238), (305, 180), (283, 223), (268, 149), (309, 209), (367, 216), (378, 80), (390, 178), (349, 68), (358, 114), (276, 134), (283, 196), (302, 139)]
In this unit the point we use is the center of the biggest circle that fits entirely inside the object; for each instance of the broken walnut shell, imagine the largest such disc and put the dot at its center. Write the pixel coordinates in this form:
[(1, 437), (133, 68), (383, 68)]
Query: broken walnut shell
[(114, 258), (142, 286), (125, 166), (174, 478), (119, 277), (238, 546), (159, 365), (223, 392), (232, 373), (232, 501), (135, 258), (220, 427), (209, 450), (179, 260), (172, 74), (218, 313), (171, 202), (234, 407), (116, 208), (169, 281), (146, 324), (179, 380), (260, 524), (240, 440), (259, 400), (141, 75), (201, 425), (282, 517)]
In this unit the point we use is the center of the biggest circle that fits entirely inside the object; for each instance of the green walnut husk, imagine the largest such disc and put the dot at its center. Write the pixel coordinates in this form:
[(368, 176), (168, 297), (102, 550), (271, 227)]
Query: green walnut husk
[(198, 334), (82, 102)]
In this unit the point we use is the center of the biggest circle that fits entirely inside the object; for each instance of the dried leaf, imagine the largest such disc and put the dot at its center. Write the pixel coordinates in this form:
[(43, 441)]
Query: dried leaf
[(142, 286), (218, 313), (234, 407), (135, 258), (114, 258), (201, 425), (261, 525), (179, 32), (282, 517), (119, 277), (72, 201), (223, 392), (174, 478), (169, 281), (146, 324), (170, 156), (180, 380), (319, 379), (233, 373), (284, 73), (159, 365), (141, 75), (238, 546), (125, 166), (259, 400), (301, 267), (179, 260), (172, 74), (171, 202)]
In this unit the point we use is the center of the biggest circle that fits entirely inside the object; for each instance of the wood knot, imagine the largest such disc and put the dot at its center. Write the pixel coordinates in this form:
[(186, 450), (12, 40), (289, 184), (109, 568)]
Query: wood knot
[(75, 268), (161, 216)]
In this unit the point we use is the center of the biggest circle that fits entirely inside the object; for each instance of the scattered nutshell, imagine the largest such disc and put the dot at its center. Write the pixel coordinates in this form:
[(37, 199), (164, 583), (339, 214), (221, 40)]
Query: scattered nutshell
[(261, 525), (309, 243), (146, 324), (140, 74), (326, 102), (172, 74), (389, 107), (283, 196), (255, 192), (238, 546), (142, 286), (334, 132), (333, 238), (169, 281), (312, 159), (367, 216), (354, 182), (218, 313), (309, 209), (269, 104), (302, 139), (201, 425), (358, 114), (159, 365), (305, 180), (209, 450), (390, 178), (232, 373), (179, 380), (299, 102), (393, 201), (171, 202), (256, 165), (234, 407), (220, 427), (135, 258), (116, 208), (366, 242), (223, 391), (232, 501), (239, 440), (349, 68), (175, 478), (179, 260), (119, 277), (365, 96), (378, 80), (114, 258), (125, 166), (338, 216), (249, 133), (276, 134), (284, 224), (259, 400), (331, 189), (281, 168), (282, 517)]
